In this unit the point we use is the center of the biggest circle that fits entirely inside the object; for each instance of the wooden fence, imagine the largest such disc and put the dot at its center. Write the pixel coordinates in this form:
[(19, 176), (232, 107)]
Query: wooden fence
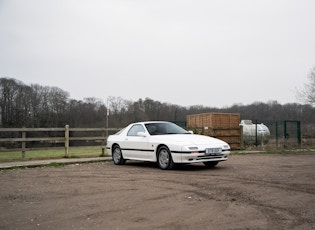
[(66, 138)]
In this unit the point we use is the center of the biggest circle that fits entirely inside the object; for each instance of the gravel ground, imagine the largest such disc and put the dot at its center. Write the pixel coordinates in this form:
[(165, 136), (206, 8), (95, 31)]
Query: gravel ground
[(257, 191)]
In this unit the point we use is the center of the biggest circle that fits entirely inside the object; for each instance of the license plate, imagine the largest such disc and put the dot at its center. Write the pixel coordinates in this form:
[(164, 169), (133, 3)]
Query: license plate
[(213, 151)]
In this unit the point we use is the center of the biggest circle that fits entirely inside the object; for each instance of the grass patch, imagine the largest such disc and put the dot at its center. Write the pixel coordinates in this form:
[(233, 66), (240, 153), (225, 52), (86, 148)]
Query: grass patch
[(52, 153)]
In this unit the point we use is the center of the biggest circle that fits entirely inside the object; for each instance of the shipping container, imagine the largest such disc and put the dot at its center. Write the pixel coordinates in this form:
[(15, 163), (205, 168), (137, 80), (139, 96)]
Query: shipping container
[(224, 126)]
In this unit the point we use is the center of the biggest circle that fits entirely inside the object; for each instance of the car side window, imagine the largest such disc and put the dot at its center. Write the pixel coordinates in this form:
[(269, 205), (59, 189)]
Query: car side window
[(135, 129)]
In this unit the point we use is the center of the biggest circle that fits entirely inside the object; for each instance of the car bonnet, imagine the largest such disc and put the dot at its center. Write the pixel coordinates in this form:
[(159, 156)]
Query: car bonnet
[(189, 139)]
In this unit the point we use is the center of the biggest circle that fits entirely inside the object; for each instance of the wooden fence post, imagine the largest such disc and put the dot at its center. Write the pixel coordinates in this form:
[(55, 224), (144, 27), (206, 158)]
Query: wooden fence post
[(23, 143), (67, 141), (103, 143)]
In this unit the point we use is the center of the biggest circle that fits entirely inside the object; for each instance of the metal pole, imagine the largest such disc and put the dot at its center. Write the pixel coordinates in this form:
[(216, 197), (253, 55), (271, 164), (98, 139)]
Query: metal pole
[(107, 115), (299, 136), (256, 134), (277, 135)]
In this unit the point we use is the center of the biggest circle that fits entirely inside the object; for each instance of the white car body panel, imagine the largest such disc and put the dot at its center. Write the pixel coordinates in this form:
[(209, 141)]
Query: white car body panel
[(184, 148)]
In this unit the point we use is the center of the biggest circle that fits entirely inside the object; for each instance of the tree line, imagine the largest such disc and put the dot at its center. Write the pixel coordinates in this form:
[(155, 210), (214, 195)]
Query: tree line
[(34, 105)]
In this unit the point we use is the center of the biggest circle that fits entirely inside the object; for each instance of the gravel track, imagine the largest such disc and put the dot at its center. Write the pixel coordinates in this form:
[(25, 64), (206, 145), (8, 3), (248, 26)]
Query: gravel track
[(257, 191)]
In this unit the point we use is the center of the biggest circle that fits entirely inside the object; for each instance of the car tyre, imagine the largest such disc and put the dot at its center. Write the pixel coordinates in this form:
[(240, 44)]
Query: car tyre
[(117, 156), (210, 164), (164, 158)]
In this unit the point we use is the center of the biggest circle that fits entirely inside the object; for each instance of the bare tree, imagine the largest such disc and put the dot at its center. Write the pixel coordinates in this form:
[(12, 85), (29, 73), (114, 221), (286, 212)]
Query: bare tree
[(119, 114), (307, 94), (14, 102), (44, 106)]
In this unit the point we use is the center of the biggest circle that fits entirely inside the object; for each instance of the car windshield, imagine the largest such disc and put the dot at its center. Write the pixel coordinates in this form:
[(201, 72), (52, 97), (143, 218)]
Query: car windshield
[(165, 128)]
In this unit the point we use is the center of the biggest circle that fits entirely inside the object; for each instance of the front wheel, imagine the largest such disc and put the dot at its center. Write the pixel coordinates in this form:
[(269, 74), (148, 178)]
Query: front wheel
[(164, 158), (210, 164), (117, 156)]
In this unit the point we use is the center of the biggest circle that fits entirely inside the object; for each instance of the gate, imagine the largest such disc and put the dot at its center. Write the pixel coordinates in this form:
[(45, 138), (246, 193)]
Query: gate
[(292, 133)]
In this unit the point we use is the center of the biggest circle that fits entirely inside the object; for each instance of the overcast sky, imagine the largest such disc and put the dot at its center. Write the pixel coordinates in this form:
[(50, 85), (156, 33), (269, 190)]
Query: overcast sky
[(185, 52)]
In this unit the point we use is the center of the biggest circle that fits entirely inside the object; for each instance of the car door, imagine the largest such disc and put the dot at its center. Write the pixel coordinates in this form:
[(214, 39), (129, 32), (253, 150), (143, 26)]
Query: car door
[(135, 147)]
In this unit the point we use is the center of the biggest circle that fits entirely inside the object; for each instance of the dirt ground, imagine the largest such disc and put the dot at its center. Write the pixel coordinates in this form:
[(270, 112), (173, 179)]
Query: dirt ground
[(245, 192)]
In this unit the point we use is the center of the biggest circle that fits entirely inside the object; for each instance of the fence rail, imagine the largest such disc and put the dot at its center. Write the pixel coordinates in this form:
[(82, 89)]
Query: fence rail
[(66, 138)]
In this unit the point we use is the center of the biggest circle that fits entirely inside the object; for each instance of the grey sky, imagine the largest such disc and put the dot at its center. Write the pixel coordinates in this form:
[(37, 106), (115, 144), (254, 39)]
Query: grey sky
[(185, 52)]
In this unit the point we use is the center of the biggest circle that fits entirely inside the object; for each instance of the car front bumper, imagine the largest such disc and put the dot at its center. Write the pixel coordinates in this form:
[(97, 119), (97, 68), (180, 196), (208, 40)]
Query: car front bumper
[(199, 157)]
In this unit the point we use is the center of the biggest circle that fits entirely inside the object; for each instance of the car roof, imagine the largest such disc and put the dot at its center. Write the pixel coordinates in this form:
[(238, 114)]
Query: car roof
[(150, 122)]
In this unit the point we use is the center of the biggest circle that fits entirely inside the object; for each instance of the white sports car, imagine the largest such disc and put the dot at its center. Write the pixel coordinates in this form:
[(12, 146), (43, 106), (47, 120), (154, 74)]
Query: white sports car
[(165, 143)]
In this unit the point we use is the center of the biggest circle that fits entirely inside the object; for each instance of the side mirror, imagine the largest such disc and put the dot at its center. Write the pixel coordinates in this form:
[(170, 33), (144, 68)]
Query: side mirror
[(191, 132), (142, 134)]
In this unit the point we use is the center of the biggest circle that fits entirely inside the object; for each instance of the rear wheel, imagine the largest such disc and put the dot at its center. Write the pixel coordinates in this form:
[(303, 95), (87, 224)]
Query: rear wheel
[(210, 164), (164, 158), (117, 156)]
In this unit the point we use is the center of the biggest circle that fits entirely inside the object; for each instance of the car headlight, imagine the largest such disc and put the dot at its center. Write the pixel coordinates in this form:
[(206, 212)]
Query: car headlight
[(226, 147)]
